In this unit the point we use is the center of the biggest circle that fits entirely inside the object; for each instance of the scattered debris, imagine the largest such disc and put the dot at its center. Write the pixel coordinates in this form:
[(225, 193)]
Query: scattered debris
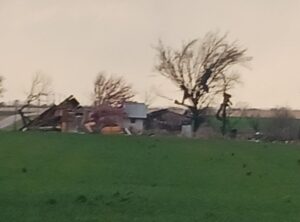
[(127, 131), (105, 119)]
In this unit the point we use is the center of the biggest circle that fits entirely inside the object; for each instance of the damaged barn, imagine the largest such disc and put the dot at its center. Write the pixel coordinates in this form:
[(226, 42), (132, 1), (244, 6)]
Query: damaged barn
[(70, 116), (170, 120), (62, 117)]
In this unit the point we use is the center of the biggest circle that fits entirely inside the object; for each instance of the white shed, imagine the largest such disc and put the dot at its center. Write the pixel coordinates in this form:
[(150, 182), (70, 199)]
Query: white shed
[(137, 114)]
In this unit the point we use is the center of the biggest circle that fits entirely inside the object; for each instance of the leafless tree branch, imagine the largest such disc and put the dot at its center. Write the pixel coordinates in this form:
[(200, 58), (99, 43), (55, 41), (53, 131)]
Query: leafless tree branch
[(39, 88), (111, 90), (200, 69)]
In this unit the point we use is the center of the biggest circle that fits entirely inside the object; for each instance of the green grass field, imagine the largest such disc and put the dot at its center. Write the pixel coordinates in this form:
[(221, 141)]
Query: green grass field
[(56, 177)]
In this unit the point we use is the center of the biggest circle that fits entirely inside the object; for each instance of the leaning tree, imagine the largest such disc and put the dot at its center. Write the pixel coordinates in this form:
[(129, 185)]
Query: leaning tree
[(39, 88), (111, 90), (201, 69)]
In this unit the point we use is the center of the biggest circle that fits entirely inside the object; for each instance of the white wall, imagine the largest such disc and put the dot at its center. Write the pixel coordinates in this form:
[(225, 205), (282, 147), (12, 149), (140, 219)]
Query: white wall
[(138, 125)]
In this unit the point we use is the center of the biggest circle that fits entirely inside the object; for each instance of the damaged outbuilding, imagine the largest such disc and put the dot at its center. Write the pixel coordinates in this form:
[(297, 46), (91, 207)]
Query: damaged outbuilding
[(70, 116), (62, 117)]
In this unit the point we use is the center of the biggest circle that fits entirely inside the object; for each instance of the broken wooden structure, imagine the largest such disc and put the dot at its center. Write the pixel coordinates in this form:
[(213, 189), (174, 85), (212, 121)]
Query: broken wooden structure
[(54, 118), (166, 119)]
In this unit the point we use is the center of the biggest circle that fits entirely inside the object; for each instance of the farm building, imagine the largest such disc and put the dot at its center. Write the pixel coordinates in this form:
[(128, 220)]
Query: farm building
[(136, 116), (167, 119)]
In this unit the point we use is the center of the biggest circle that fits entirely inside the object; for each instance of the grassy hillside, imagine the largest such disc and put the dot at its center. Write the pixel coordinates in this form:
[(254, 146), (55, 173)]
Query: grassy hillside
[(56, 177)]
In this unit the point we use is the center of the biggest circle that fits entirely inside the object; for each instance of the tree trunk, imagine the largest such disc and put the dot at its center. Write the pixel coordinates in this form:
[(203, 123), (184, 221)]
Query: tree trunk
[(224, 126), (222, 116), (196, 120)]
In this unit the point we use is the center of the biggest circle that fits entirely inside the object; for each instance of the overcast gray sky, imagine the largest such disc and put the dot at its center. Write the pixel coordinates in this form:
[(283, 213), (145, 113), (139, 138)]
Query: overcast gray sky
[(71, 41)]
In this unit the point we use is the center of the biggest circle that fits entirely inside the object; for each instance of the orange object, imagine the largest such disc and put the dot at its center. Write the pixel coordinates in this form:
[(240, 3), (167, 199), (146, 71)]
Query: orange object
[(111, 130)]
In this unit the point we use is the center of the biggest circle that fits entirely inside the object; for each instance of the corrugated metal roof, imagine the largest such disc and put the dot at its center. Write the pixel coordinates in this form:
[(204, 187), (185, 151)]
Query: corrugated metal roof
[(136, 110)]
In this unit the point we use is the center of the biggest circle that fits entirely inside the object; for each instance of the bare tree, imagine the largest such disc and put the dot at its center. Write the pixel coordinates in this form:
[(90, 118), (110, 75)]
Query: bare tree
[(223, 112), (200, 69), (111, 90), (39, 88)]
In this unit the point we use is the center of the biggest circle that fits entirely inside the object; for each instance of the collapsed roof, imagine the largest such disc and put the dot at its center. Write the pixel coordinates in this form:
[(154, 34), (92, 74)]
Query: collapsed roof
[(51, 118)]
